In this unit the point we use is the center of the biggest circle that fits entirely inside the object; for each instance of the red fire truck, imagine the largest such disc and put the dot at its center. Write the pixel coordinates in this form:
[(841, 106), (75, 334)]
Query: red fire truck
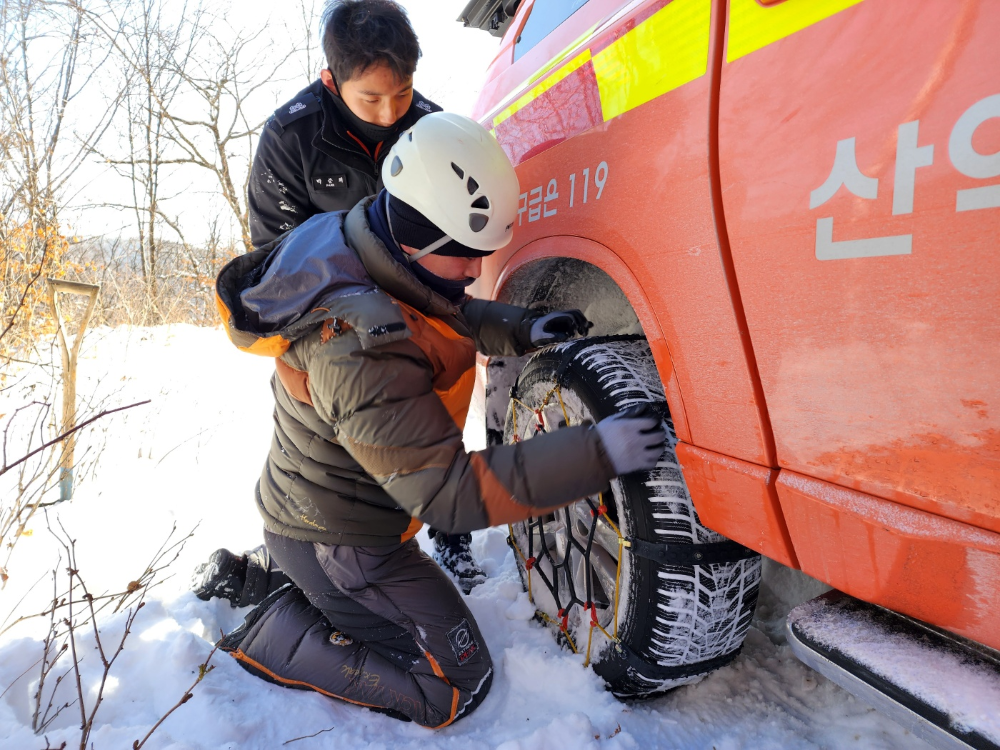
[(782, 217)]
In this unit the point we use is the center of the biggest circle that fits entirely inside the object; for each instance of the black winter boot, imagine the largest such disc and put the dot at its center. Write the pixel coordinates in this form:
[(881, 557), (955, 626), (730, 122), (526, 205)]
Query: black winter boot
[(452, 552), (242, 579), (224, 576)]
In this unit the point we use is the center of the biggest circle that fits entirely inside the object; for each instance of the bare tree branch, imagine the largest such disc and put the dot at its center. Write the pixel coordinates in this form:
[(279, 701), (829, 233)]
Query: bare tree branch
[(50, 443)]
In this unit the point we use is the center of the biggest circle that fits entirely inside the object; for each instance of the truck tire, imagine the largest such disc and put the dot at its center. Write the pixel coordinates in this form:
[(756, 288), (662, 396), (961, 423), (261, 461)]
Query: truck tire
[(676, 620)]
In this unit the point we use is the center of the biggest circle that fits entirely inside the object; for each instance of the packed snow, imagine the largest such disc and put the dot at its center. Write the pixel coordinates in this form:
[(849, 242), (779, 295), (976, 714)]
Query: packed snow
[(191, 458)]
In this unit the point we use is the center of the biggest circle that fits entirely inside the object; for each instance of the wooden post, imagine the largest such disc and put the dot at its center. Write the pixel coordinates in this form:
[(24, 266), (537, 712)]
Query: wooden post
[(69, 357)]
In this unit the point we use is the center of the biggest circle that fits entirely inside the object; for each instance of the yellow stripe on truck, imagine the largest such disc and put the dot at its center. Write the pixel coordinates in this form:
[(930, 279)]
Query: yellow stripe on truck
[(539, 74), (753, 26), (544, 86), (667, 50)]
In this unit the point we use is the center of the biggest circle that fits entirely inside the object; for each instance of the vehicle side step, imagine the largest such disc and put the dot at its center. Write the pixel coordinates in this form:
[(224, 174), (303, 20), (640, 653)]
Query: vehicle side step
[(942, 687)]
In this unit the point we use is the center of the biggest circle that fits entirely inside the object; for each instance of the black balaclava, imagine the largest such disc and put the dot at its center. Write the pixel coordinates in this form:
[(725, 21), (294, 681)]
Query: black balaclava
[(370, 133), (410, 227), (378, 220)]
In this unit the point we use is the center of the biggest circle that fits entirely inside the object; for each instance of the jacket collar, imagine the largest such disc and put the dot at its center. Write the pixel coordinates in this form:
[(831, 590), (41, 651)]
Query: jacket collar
[(388, 273), (334, 130)]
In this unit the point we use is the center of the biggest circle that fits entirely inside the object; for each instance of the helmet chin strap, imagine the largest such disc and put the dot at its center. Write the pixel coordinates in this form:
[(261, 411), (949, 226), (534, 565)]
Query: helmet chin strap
[(445, 239), (429, 249)]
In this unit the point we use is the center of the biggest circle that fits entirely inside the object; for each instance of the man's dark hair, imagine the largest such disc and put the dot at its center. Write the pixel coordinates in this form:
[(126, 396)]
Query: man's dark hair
[(358, 34)]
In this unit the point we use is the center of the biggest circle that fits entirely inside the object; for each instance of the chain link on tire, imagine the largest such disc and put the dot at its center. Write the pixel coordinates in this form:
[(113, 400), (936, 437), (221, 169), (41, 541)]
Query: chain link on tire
[(645, 625)]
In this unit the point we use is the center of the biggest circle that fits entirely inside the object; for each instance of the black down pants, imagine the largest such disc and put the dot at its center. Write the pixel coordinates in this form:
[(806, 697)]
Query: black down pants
[(382, 627), (264, 576)]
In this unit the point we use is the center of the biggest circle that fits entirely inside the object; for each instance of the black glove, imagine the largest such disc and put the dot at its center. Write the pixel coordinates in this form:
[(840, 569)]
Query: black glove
[(559, 326), (633, 439)]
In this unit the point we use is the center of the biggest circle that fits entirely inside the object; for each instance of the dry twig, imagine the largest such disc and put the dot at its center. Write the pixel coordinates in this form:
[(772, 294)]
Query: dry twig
[(203, 669), (306, 737)]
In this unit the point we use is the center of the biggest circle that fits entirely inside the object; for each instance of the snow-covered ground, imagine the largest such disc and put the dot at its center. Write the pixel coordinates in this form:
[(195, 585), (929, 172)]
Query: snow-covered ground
[(191, 457)]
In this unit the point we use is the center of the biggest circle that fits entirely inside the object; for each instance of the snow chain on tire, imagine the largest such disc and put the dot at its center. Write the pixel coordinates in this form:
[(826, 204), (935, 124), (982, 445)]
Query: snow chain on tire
[(630, 578)]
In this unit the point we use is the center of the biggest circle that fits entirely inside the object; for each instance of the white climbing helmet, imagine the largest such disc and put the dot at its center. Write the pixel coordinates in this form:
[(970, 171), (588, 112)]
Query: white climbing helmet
[(453, 171)]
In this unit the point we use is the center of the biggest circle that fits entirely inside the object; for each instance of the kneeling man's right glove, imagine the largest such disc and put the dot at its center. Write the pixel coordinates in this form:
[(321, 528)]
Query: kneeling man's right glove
[(633, 439), (559, 326)]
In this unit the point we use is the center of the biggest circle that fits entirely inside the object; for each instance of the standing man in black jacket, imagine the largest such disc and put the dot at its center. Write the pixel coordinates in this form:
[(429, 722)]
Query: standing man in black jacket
[(323, 151)]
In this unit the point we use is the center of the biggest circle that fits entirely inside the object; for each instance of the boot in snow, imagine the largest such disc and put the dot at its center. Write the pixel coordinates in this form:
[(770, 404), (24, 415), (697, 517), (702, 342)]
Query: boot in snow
[(452, 552), (224, 576)]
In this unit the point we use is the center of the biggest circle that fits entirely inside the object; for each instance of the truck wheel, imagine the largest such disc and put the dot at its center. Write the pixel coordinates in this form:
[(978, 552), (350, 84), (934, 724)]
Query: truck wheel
[(677, 596)]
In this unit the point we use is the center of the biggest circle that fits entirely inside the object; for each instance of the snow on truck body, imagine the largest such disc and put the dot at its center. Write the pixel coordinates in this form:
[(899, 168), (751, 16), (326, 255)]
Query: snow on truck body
[(798, 202)]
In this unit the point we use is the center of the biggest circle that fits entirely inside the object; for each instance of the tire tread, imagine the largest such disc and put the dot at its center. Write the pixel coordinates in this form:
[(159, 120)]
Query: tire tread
[(698, 613)]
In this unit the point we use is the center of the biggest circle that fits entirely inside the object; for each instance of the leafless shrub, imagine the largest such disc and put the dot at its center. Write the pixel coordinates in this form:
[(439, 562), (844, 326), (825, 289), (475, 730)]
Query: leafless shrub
[(30, 479), (203, 670), (78, 623), (32, 449)]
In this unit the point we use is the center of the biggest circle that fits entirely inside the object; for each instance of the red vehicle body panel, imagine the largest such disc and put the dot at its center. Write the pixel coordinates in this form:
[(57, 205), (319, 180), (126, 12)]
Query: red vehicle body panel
[(801, 201), (739, 495), (928, 567), (879, 372), (722, 409)]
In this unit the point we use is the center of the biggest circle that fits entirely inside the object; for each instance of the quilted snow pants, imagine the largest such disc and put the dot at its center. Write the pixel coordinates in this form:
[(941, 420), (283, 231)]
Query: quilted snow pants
[(381, 627)]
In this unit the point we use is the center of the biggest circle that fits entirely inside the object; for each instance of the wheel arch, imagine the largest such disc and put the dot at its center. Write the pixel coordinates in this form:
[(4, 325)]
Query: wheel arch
[(551, 269)]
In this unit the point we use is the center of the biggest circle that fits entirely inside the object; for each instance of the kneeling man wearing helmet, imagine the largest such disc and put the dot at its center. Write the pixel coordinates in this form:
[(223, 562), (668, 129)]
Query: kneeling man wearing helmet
[(375, 341)]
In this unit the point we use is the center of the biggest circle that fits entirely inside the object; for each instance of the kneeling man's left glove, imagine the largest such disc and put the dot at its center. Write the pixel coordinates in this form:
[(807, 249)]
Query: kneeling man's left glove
[(559, 326)]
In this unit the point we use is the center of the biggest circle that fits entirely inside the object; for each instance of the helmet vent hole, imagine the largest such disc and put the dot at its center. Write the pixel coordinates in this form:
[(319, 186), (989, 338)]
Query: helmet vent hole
[(472, 185), (396, 167), (410, 136), (481, 202), (477, 222), (458, 171)]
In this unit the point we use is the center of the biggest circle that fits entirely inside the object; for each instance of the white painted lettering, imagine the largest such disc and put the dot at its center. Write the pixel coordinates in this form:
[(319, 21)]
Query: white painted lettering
[(827, 249), (970, 162), (845, 172)]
